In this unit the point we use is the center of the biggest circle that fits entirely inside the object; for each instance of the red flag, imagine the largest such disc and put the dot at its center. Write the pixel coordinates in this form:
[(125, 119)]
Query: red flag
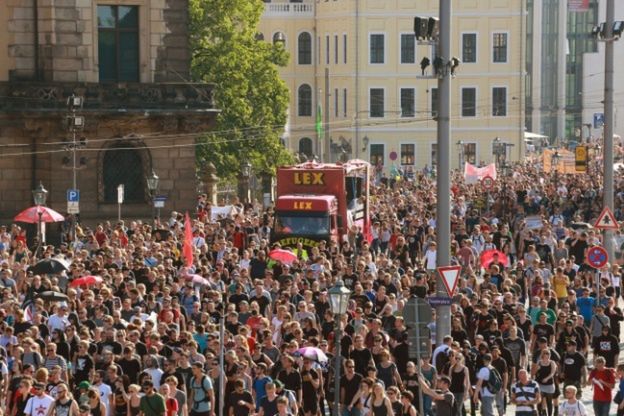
[(187, 249)]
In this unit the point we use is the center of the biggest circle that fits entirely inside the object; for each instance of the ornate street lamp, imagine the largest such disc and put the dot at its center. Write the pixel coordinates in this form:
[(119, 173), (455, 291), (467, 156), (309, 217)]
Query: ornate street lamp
[(152, 185), (40, 195), (339, 300)]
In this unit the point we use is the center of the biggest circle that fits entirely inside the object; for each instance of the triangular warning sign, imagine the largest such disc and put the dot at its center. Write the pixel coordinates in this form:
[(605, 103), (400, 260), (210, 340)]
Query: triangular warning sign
[(450, 277), (606, 220)]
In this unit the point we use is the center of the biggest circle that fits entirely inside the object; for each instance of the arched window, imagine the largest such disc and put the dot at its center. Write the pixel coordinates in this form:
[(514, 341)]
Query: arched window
[(279, 37), (123, 165), (304, 98), (305, 147), (304, 47), (259, 36)]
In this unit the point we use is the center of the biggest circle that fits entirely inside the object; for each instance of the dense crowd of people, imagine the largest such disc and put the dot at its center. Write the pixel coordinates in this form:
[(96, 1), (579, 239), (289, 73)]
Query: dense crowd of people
[(534, 327)]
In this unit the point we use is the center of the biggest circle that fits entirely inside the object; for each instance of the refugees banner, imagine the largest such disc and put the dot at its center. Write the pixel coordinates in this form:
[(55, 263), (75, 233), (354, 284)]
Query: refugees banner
[(473, 174), (578, 5)]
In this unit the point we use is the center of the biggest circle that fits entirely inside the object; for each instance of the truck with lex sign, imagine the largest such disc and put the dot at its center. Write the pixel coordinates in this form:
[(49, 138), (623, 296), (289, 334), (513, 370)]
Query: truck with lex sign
[(321, 201)]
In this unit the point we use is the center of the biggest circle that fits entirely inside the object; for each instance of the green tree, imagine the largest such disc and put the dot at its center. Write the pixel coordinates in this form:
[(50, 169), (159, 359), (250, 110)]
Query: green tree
[(248, 89)]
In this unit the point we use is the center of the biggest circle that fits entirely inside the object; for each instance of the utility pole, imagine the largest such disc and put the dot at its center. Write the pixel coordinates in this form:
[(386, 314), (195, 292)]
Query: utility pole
[(326, 144), (443, 209), (608, 124)]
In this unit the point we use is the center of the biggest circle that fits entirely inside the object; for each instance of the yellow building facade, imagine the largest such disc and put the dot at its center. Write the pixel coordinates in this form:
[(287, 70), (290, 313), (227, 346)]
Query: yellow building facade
[(356, 62)]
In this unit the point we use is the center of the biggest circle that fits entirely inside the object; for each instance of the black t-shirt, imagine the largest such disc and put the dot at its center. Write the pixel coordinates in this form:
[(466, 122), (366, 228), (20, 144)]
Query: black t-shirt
[(350, 387), (543, 330), (269, 407), (292, 381), (239, 409), (84, 365), (361, 358), (571, 365), (606, 346), (500, 365), (309, 392), (131, 368)]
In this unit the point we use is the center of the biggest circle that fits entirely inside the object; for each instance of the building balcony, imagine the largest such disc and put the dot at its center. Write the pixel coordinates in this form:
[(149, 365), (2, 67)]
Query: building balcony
[(111, 98), (288, 10)]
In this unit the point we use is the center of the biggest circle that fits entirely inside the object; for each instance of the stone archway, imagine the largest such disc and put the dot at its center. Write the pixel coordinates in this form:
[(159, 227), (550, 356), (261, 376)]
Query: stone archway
[(124, 161)]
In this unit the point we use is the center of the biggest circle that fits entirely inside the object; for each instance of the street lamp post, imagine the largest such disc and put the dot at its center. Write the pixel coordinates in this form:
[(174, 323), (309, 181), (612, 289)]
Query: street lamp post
[(554, 163), (245, 172), (40, 195), (152, 186), (339, 298)]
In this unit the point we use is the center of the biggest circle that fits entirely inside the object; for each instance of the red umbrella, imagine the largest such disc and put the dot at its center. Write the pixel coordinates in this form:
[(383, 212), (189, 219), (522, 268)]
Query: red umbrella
[(487, 257), (86, 281), (285, 256), (31, 215)]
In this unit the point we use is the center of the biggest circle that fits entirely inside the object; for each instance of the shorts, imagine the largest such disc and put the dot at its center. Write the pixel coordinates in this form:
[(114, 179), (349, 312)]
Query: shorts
[(311, 406)]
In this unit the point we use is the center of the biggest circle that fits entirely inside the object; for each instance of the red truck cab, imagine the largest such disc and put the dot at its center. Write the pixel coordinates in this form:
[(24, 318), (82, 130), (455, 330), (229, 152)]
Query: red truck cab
[(320, 202)]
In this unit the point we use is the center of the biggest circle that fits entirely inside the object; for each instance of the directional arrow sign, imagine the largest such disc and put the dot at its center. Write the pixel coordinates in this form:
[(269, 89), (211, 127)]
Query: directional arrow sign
[(450, 277), (606, 220)]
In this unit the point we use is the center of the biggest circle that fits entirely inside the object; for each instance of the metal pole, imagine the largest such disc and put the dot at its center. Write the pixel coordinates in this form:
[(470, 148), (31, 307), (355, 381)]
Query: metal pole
[(326, 144), (443, 217), (418, 359), (607, 155), (222, 363), (118, 212), (39, 234), (74, 181), (338, 367), (597, 283)]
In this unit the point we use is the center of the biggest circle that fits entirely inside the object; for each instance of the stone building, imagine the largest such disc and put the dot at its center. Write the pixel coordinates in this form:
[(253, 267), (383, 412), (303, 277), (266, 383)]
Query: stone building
[(129, 61)]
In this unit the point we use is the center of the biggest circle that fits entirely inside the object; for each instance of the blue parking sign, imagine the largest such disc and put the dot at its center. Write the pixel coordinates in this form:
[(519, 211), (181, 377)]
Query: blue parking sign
[(73, 195), (598, 120)]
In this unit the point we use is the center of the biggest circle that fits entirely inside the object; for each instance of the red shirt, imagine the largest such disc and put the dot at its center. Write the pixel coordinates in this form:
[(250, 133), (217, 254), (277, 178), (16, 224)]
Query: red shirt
[(605, 375), (171, 406)]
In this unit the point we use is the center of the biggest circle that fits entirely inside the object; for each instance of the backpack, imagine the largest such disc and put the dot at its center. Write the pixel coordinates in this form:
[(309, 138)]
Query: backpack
[(494, 382), (206, 397), (441, 360)]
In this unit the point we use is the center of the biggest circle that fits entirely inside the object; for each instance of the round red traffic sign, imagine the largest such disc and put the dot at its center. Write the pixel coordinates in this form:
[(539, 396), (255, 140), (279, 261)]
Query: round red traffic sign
[(487, 182), (597, 257)]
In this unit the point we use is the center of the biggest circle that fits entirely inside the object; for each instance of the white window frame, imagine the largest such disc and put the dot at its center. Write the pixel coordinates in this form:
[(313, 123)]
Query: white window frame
[(471, 32), (405, 87), (461, 101), (311, 99), (312, 56), (400, 53), (370, 146), (491, 113), (385, 51), (372, 87), (413, 143), (476, 143), (495, 32), (432, 162)]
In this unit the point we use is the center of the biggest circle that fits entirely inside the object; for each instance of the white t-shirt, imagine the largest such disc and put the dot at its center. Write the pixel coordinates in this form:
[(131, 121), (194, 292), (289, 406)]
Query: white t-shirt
[(574, 409), (105, 393), (57, 322), (38, 406), (484, 374), (430, 259)]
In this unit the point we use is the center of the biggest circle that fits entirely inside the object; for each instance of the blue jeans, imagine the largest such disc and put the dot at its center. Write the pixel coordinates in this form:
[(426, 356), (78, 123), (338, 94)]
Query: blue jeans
[(427, 405), (487, 405), (601, 408), (354, 411)]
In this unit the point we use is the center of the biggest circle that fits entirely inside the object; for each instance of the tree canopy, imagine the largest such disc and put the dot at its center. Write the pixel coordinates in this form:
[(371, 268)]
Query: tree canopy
[(252, 97)]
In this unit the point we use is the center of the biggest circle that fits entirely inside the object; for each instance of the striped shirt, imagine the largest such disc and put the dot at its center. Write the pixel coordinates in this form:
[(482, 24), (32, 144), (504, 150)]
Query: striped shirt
[(58, 360), (524, 393)]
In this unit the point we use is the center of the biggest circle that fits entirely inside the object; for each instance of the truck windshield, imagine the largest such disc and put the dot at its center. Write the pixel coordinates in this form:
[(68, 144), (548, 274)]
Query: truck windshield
[(288, 223)]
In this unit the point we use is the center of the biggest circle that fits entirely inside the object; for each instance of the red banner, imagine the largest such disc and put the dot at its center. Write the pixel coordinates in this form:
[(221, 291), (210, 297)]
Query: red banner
[(578, 5)]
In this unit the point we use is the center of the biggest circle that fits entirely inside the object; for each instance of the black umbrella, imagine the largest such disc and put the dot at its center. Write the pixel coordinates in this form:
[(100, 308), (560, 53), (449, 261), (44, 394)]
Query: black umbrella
[(581, 226), (49, 266), (52, 296)]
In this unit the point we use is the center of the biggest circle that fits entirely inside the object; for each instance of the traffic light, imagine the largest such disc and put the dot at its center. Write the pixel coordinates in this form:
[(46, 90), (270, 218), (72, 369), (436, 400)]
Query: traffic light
[(421, 27), (433, 28), (438, 66), (454, 63), (424, 64)]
